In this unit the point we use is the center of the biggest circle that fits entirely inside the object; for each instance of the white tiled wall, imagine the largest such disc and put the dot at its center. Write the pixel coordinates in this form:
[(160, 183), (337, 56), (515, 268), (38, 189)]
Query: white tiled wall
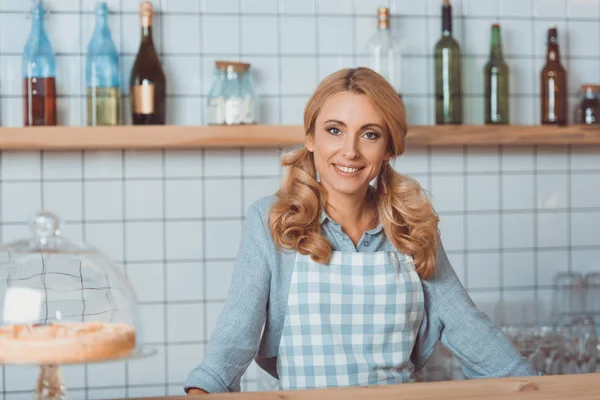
[(511, 217)]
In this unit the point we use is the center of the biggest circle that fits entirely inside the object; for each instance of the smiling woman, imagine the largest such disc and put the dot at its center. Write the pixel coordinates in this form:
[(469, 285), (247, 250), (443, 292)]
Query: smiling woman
[(343, 267)]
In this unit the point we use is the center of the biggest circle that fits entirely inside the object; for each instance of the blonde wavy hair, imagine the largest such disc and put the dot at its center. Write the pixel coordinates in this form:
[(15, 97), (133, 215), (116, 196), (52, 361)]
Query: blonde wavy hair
[(407, 216)]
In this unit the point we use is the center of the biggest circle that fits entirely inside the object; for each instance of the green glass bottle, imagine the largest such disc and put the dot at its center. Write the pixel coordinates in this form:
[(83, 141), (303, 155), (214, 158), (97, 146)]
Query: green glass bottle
[(496, 82), (448, 82)]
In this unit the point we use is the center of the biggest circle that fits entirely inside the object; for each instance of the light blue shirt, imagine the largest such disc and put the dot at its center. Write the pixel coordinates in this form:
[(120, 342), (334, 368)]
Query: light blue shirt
[(258, 297)]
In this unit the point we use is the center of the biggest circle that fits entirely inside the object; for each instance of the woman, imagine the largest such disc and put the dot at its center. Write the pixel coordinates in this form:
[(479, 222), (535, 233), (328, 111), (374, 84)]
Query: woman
[(344, 267)]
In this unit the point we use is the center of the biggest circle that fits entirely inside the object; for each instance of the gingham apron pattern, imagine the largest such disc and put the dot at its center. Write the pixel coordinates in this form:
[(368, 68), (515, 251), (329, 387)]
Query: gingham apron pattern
[(352, 322)]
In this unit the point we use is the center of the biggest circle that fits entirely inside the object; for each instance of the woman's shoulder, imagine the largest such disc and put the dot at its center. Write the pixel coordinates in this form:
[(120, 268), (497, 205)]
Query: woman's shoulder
[(261, 208)]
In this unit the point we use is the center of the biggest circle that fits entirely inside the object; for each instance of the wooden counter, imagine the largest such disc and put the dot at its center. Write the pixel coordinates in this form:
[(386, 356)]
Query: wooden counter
[(564, 387)]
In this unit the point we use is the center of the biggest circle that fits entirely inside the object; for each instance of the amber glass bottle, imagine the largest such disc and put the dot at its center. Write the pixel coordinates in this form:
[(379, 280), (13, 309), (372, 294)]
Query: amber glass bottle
[(553, 84)]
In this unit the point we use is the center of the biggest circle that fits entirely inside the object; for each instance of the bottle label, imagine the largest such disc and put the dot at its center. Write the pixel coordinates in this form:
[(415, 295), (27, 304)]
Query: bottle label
[(143, 99)]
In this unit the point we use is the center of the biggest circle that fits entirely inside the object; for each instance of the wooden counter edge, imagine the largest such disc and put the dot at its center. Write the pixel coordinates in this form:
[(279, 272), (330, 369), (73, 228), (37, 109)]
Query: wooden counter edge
[(580, 387)]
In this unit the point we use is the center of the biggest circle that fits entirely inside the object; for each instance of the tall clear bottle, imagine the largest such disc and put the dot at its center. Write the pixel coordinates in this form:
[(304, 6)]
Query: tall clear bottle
[(448, 80), (496, 82), (102, 73), (39, 73), (147, 81), (553, 79), (384, 51)]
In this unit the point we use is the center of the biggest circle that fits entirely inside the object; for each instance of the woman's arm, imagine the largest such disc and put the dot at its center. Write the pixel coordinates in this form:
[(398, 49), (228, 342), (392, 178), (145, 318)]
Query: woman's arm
[(468, 333), (235, 340)]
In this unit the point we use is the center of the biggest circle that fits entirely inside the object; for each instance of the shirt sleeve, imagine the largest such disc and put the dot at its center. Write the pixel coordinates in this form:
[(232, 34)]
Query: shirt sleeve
[(483, 350), (234, 342)]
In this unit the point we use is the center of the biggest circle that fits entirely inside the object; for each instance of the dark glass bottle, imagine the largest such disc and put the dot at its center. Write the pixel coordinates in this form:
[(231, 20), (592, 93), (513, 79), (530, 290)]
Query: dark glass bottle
[(496, 82), (102, 74), (147, 82), (39, 73), (553, 84), (448, 82)]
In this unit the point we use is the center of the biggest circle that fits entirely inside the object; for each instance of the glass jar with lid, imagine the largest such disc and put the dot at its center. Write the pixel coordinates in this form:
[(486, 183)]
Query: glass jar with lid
[(589, 106), (63, 302), (232, 99)]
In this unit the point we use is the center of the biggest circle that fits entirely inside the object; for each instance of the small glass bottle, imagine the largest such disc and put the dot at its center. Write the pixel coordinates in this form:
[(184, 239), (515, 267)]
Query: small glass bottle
[(39, 73), (384, 51), (102, 73), (250, 99), (496, 82), (589, 106), (216, 99)]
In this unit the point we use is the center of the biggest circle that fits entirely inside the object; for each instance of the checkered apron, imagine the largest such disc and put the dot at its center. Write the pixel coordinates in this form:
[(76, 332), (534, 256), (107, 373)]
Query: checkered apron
[(353, 322)]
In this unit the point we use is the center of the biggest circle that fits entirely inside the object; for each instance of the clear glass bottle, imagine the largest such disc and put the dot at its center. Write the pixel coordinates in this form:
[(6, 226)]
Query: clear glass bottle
[(39, 73), (250, 99), (216, 96), (102, 73), (385, 52)]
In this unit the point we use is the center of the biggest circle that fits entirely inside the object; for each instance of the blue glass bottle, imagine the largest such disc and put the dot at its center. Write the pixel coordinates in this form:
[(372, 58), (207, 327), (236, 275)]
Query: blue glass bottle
[(102, 73), (39, 73)]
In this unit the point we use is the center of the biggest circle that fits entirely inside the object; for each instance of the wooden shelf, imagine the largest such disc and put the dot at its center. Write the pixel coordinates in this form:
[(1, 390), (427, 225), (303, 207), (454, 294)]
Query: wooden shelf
[(179, 137)]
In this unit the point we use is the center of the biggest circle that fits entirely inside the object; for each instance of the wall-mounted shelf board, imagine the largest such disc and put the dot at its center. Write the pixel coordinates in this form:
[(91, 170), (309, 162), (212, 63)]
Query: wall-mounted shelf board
[(180, 137)]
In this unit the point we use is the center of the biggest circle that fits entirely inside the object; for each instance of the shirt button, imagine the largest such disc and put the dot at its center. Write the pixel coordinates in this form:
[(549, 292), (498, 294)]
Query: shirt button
[(367, 243)]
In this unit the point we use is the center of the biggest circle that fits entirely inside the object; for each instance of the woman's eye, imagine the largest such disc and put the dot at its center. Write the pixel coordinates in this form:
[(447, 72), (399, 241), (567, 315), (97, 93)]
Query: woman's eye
[(371, 135), (334, 131)]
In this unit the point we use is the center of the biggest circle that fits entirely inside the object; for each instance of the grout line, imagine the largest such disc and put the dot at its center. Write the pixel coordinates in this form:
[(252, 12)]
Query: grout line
[(501, 218), (165, 274), (2, 241), (124, 230)]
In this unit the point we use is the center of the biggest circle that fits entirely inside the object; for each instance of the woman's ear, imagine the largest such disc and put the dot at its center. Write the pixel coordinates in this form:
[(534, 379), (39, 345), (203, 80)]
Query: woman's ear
[(310, 143)]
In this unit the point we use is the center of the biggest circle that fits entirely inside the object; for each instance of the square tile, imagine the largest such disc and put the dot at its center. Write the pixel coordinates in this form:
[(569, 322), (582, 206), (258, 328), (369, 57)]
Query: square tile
[(181, 33), (64, 198), (584, 38), (265, 72), (184, 111), (518, 231), (478, 8), (18, 165), (268, 111), (483, 192), (222, 162), (20, 201), (11, 233), (143, 164), (60, 28), (218, 275), (182, 328), (62, 165), (298, 75), (448, 193), (184, 198), (552, 158), (144, 199), (335, 6), (153, 324), (549, 8), (223, 198), (414, 28), (515, 8), (148, 391), (298, 35), (452, 228), (474, 110), (184, 75), (523, 78), (585, 158), (522, 111), (408, 7), (483, 159), (180, 6), (70, 78), (224, 239), (183, 163), (14, 32), (517, 158), (103, 164), (517, 192), (583, 9), (99, 394), (259, 34), (69, 111), (255, 189), (126, 65), (185, 281), (150, 371), (147, 281), (586, 261), (103, 200), (261, 162), (184, 240), (20, 378), (518, 269), (259, 6), (483, 232), (540, 38), (106, 374), (73, 375), (292, 110), (412, 161), (181, 360), (434, 30), (369, 7), (331, 29), (478, 44), (220, 6), (581, 72), (134, 6), (585, 190), (417, 111), (552, 229), (447, 159), (414, 76), (297, 7), (551, 263), (484, 270), (552, 191), (12, 75), (144, 241), (226, 28), (108, 237), (585, 228), (364, 29)]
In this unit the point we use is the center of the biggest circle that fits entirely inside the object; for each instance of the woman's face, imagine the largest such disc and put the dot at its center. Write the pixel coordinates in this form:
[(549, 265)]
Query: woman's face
[(350, 143)]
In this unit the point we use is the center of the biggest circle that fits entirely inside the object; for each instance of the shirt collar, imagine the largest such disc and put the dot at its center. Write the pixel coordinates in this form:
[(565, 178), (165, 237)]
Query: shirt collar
[(325, 217)]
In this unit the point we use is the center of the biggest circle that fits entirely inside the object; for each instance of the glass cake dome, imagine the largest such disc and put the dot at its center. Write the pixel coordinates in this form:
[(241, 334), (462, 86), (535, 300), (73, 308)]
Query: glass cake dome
[(70, 290)]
